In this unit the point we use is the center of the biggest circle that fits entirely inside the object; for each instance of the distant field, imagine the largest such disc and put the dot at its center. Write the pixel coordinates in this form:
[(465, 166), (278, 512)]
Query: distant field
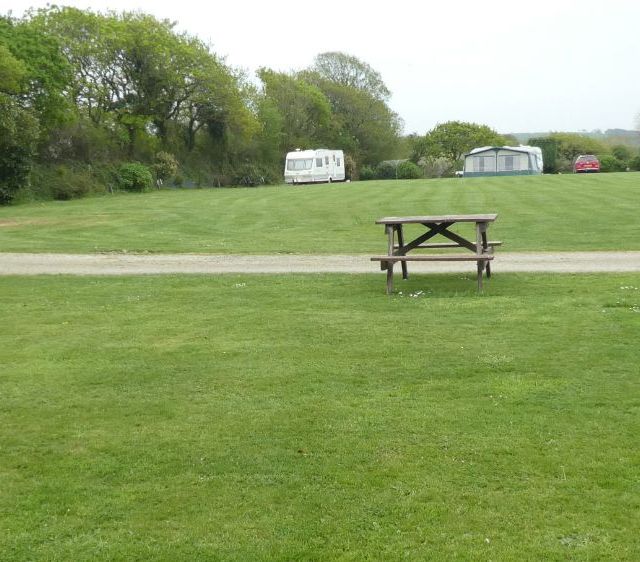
[(315, 418), (564, 212)]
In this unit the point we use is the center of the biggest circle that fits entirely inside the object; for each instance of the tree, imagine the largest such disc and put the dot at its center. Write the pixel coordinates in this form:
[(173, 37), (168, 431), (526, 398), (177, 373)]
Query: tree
[(363, 123), (453, 139), (18, 140), (351, 72), (12, 72), (571, 145), (304, 111)]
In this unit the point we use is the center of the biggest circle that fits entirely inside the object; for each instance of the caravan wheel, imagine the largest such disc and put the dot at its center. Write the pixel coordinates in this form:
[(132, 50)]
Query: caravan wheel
[(330, 180)]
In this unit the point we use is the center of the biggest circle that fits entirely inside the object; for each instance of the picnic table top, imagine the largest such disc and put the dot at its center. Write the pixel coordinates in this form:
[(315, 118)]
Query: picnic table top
[(490, 217)]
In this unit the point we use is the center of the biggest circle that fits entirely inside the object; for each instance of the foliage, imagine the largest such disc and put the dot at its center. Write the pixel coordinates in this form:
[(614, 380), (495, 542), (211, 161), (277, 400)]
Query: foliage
[(452, 139), (363, 125), (46, 75), (440, 167), (63, 182), (12, 72), (19, 133), (367, 173), (349, 71), (634, 163), (549, 148), (609, 163), (387, 170), (251, 175), (303, 111), (571, 145), (110, 88), (165, 166), (622, 152), (134, 176), (408, 171)]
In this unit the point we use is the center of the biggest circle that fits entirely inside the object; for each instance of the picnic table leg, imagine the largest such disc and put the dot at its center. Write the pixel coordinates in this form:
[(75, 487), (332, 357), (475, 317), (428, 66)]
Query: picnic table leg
[(480, 269), (390, 232), (479, 251), (484, 246), (405, 274)]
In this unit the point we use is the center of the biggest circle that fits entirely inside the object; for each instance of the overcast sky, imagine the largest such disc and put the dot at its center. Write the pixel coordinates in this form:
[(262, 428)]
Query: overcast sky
[(547, 65)]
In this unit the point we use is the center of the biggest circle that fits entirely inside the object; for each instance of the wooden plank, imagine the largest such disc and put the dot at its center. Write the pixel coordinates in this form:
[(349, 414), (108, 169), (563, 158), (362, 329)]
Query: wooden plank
[(435, 219), (452, 244), (459, 240), (426, 236), (435, 257)]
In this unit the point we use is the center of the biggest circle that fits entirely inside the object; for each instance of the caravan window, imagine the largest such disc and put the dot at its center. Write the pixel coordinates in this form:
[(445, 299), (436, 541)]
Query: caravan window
[(297, 164), (338, 162), (326, 160), (319, 162)]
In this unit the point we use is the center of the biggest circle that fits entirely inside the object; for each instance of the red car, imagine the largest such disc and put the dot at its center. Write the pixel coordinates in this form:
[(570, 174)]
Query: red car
[(586, 163)]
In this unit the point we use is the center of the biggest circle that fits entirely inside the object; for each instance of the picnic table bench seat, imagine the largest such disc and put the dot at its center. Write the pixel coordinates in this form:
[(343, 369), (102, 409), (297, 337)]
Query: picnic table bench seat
[(436, 257)]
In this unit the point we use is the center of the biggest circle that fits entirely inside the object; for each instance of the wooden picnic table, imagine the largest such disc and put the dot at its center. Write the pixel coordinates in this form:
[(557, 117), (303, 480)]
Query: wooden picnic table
[(436, 225)]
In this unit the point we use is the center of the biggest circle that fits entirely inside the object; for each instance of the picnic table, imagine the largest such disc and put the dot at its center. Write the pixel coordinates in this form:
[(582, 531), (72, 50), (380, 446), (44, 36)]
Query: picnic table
[(481, 248)]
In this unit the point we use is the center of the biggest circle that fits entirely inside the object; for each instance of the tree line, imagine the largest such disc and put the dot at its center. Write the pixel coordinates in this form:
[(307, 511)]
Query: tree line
[(94, 102)]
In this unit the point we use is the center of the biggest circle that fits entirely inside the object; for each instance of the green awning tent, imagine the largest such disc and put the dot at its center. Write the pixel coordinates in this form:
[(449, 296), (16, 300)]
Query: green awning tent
[(503, 161)]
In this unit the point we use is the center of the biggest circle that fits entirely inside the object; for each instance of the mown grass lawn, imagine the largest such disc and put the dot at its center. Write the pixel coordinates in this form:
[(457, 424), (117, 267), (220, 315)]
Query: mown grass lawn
[(562, 212), (315, 418)]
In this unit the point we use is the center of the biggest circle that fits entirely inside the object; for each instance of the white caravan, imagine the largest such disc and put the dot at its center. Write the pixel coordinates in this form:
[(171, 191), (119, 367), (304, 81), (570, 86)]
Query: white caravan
[(311, 166)]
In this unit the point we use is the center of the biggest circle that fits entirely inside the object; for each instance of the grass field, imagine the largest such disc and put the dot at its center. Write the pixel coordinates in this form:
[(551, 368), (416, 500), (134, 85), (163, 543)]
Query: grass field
[(314, 418), (563, 212)]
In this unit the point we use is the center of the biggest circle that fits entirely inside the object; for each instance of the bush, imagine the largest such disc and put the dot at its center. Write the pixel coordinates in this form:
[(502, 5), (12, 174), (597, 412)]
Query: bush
[(135, 177), (367, 173), (609, 163), (409, 171), (65, 183), (437, 167), (386, 171), (634, 164), (251, 175), (165, 166)]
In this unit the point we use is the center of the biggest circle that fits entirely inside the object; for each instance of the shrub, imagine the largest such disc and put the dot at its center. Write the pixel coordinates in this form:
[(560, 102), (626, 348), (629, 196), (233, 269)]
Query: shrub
[(408, 171), (634, 164), (437, 167), (622, 153), (609, 163), (66, 183), (135, 177), (367, 173), (165, 166), (386, 170), (251, 175)]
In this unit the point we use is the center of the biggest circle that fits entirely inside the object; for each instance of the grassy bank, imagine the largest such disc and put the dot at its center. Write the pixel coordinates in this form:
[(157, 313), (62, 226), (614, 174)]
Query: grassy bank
[(570, 212), (313, 417)]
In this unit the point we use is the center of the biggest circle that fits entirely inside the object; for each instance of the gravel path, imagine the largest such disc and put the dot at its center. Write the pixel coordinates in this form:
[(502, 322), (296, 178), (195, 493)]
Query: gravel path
[(135, 264)]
